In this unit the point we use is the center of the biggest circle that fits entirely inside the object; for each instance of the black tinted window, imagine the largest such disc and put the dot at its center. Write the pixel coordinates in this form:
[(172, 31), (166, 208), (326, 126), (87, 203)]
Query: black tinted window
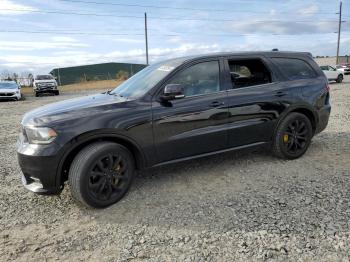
[(294, 68), (202, 78), (44, 77), (248, 72)]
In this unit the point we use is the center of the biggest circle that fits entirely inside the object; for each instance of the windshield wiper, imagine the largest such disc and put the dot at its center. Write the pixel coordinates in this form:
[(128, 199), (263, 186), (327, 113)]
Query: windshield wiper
[(114, 94)]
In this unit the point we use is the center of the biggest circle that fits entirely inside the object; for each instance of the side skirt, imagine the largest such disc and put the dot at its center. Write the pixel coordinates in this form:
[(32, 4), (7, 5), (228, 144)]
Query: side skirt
[(253, 145)]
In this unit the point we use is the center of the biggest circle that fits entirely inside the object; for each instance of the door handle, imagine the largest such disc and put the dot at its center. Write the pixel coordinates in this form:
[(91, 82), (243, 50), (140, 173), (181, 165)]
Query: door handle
[(216, 104), (280, 93)]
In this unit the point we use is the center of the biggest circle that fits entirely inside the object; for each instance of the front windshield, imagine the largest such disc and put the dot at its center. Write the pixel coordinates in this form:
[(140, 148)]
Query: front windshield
[(8, 85), (146, 79), (44, 77)]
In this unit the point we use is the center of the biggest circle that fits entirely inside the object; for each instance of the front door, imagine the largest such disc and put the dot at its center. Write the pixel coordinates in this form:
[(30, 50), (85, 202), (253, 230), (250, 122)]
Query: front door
[(195, 124)]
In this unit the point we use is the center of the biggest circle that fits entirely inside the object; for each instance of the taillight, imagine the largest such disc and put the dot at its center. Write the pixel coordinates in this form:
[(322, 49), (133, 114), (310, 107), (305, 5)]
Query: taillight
[(328, 88)]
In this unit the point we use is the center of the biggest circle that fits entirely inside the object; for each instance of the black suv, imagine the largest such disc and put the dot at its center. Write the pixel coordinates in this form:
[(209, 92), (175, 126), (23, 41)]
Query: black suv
[(173, 111)]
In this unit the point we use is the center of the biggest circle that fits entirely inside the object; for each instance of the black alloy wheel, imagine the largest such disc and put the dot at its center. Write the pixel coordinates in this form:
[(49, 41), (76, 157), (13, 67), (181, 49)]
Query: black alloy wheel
[(101, 174), (293, 136), (108, 176), (340, 78)]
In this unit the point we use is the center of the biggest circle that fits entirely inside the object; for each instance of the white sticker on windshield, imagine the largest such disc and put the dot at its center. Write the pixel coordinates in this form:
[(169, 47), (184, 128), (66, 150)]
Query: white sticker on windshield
[(166, 68)]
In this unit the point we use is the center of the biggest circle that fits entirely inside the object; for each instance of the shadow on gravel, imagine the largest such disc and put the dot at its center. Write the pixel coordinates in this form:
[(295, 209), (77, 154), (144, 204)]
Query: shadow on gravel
[(243, 191)]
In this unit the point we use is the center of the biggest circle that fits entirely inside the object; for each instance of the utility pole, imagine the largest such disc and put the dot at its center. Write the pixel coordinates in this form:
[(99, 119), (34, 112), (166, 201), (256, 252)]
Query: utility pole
[(59, 77), (146, 38), (339, 28)]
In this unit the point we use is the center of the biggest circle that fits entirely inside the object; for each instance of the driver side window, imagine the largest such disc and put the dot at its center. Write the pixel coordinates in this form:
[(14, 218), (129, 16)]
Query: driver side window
[(201, 78)]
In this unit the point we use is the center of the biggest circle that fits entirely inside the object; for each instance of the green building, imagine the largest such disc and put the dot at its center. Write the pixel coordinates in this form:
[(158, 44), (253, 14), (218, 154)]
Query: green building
[(105, 71)]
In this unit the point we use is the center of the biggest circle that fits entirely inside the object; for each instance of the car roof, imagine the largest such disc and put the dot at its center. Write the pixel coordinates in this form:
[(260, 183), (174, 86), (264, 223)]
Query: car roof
[(246, 53)]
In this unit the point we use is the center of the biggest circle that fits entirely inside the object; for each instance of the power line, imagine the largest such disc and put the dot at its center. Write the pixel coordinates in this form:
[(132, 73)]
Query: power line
[(64, 12), (68, 33), (175, 8), (142, 34)]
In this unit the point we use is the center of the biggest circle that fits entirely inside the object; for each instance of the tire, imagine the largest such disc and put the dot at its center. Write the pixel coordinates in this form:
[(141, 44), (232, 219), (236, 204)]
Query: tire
[(293, 136), (95, 180), (36, 94), (340, 78), (57, 92)]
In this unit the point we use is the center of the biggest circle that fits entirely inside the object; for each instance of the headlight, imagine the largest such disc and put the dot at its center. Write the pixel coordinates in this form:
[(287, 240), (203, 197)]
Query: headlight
[(40, 135)]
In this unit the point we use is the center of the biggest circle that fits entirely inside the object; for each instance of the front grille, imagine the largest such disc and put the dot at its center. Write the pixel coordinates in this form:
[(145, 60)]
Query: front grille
[(45, 84), (6, 94)]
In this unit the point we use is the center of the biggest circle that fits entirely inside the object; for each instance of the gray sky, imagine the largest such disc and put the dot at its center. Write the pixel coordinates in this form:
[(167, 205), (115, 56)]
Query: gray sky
[(40, 35)]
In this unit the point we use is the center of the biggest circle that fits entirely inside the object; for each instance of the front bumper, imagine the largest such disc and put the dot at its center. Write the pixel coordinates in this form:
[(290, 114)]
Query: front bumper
[(45, 89), (9, 97), (39, 172)]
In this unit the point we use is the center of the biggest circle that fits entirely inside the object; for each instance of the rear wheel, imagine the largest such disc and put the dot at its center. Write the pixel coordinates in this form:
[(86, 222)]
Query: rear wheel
[(57, 92), (340, 78), (101, 174), (293, 136)]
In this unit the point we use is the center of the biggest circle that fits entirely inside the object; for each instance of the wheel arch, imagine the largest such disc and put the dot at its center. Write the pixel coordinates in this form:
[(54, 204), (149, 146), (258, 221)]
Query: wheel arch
[(309, 113), (80, 142)]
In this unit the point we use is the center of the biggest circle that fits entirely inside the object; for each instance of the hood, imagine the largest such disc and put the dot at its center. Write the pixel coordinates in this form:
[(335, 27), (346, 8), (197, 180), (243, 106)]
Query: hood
[(75, 108), (8, 90)]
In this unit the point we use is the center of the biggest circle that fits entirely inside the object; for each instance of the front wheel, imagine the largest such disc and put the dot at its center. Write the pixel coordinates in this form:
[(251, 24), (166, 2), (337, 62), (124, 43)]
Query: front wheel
[(293, 136), (340, 78), (101, 174)]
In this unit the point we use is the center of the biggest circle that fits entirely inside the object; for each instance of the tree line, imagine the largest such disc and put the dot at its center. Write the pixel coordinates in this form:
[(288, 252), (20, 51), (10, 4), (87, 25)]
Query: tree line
[(22, 78)]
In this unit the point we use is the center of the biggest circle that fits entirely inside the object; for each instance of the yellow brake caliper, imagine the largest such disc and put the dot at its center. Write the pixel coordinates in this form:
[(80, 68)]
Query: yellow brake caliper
[(285, 138)]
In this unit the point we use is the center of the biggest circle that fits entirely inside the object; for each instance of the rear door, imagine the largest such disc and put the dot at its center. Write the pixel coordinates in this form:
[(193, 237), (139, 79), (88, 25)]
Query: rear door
[(195, 124), (256, 97)]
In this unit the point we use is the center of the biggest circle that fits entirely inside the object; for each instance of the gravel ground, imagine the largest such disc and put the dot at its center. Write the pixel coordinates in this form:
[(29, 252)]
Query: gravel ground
[(246, 206)]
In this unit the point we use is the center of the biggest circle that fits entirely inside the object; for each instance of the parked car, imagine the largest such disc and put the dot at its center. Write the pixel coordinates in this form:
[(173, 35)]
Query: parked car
[(345, 68), (45, 84), (332, 73), (172, 111), (10, 90)]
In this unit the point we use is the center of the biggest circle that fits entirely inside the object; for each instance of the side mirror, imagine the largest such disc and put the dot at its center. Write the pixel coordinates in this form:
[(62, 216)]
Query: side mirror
[(173, 91)]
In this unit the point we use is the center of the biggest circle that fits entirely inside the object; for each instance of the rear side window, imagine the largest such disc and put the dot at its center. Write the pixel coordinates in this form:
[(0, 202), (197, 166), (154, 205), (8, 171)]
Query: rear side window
[(294, 68), (248, 72)]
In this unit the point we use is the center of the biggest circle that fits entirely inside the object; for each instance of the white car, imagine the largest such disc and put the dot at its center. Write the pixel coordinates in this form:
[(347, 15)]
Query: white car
[(45, 84), (332, 73), (10, 90), (344, 68)]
